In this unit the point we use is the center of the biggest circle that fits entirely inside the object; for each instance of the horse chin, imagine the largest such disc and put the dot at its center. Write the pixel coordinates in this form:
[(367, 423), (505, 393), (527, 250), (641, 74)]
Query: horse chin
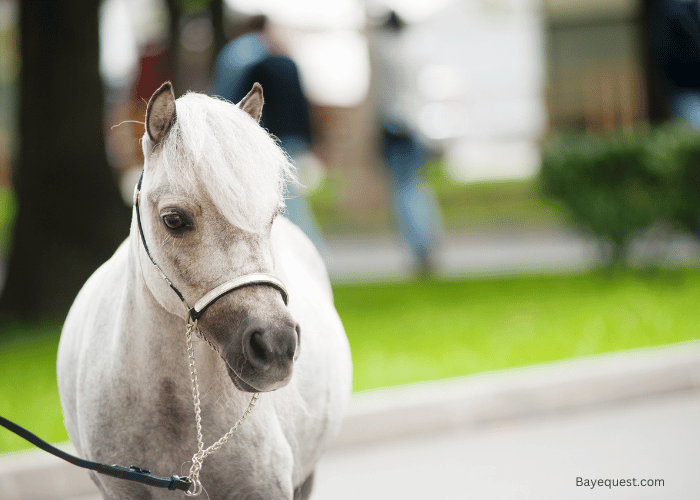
[(239, 384), (244, 386)]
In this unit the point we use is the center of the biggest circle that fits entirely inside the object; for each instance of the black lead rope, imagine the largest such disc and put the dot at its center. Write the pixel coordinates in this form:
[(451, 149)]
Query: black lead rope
[(132, 473)]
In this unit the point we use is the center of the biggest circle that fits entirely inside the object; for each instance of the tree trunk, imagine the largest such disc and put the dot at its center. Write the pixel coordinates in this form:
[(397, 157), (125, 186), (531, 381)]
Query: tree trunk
[(174, 13), (217, 19), (71, 217)]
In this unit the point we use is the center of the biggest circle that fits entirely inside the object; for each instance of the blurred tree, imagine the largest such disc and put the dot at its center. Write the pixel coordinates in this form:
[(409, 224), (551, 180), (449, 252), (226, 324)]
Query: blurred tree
[(217, 18), (71, 217), (607, 187), (179, 10), (174, 13)]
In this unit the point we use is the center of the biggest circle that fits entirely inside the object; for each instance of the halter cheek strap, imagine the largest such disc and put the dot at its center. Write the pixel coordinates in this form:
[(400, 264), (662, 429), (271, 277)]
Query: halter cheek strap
[(209, 298)]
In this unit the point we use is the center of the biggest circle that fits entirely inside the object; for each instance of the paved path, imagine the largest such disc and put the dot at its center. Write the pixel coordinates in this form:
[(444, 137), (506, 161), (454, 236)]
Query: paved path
[(493, 252), (489, 252), (538, 459)]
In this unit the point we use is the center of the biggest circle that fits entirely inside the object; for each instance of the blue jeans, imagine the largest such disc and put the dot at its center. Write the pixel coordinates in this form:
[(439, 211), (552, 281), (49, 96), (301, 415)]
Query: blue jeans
[(415, 205)]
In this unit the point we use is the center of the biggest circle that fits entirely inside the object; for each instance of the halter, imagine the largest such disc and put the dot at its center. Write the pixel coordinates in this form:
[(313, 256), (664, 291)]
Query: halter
[(193, 315)]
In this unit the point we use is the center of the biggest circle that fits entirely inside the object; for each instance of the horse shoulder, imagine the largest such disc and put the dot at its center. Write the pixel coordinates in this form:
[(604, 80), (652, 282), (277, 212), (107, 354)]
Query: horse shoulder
[(83, 338)]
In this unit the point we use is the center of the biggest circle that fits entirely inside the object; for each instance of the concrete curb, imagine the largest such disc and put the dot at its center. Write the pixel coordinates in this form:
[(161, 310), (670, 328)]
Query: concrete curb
[(521, 393), (436, 406)]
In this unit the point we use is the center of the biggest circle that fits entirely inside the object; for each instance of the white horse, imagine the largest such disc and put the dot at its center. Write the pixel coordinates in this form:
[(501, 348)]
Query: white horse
[(206, 218)]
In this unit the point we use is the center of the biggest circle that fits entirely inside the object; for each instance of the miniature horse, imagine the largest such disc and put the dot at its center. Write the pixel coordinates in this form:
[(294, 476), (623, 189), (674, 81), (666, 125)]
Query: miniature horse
[(207, 219)]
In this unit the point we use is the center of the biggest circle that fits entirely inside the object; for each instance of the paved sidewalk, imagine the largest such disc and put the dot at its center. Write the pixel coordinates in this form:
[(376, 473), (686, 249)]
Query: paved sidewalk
[(528, 433), (494, 252), (532, 459)]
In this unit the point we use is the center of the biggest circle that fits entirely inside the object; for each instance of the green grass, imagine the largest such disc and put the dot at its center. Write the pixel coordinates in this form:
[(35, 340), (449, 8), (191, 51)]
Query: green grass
[(404, 333), (502, 204), (408, 332), (28, 391)]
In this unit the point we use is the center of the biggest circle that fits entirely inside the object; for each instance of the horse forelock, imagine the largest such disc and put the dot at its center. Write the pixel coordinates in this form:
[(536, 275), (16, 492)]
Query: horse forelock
[(215, 146)]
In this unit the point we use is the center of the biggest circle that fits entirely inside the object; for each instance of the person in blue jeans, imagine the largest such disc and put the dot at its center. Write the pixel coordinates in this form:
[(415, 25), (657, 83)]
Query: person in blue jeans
[(414, 203), (251, 58)]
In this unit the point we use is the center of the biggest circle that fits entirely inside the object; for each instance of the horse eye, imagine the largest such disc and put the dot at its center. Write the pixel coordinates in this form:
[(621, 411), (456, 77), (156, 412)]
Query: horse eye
[(173, 221)]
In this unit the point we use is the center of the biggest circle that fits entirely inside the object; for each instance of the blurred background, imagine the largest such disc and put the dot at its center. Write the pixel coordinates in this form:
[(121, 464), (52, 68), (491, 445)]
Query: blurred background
[(492, 183)]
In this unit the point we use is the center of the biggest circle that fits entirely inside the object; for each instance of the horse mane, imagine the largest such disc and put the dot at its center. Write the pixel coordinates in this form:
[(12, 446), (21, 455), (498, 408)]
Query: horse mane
[(215, 146)]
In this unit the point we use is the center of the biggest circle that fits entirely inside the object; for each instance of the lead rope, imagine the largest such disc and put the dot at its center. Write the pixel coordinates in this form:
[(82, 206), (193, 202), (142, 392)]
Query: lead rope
[(198, 458)]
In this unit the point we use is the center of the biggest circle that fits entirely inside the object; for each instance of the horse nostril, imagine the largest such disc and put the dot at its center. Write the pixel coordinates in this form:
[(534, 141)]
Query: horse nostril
[(260, 349), (271, 348)]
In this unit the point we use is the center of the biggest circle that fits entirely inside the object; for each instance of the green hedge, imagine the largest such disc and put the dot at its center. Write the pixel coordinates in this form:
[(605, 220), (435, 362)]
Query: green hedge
[(616, 187)]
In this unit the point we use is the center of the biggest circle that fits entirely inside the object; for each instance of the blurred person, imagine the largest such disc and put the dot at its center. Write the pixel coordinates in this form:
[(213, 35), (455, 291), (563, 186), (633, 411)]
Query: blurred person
[(254, 57), (674, 27), (414, 203)]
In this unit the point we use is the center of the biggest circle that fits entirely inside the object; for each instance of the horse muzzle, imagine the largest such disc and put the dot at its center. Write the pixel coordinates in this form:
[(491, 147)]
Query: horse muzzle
[(256, 337), (269, 350)]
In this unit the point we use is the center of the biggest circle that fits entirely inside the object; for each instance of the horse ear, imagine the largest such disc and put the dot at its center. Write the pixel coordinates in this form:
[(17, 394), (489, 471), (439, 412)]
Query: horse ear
[(160, 112), (253, 102)]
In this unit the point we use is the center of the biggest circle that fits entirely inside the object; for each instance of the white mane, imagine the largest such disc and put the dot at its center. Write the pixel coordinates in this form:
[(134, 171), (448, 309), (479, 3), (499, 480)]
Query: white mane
[(216, 146)]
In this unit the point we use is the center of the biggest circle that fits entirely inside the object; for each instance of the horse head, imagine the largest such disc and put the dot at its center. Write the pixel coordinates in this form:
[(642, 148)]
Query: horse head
[(213, 183)]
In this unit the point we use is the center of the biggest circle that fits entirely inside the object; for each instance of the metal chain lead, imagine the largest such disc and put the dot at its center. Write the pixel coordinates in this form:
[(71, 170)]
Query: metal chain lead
[(198, 458)]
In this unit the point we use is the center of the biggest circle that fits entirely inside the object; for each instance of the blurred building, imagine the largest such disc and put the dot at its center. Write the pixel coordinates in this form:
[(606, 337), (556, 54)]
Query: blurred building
[(494, 76), (595, 64), (481, 86)]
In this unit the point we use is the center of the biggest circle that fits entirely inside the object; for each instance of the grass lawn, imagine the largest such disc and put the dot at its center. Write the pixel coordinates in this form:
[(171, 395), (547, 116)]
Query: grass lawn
[(403, 333), (28, 391)]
